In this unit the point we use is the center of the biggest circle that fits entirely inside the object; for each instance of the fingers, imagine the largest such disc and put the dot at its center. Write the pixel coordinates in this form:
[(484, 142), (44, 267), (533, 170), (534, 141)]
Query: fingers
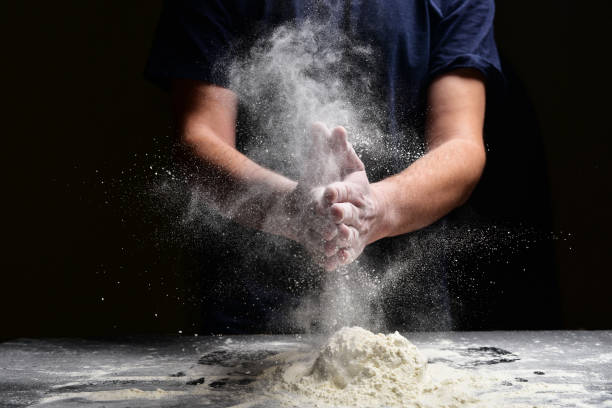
[(340, 192), (314, 244), (319, 220), (346, 213), (352, 161), (346, 237), (319, 204), (327, 231), (340, 240), (347, 158), (318, 235), (329, 156), (338, 140), (343, 250), (340, 250), (335, 192), (343, 257), (332, 263), (319, 132)]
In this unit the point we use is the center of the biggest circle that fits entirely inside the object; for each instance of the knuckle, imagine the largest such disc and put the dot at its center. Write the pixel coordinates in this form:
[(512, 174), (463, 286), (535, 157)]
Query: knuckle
[(345, 191), (356, 214), (346, 233)]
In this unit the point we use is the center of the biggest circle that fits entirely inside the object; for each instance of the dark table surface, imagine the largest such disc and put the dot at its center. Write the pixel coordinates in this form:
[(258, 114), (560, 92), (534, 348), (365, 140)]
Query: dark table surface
[(574, 368)]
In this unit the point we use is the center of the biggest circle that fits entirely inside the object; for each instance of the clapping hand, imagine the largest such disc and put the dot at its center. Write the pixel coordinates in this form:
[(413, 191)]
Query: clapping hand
[(333, 205)]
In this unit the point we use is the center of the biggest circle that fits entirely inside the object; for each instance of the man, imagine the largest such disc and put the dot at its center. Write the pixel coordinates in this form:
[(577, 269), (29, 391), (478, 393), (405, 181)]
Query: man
[(437, 57)]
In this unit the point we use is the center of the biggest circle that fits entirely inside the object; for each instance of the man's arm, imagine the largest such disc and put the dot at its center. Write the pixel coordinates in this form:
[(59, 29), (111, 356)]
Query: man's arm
[(432, 186), (446, 175), (240, 188), (250, 194)]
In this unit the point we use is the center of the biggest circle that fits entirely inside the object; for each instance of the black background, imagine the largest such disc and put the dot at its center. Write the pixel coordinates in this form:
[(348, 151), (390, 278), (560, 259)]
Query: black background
[(83, 254)]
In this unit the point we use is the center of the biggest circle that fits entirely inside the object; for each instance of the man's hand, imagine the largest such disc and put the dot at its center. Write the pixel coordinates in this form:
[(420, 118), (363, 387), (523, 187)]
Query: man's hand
[(329, 157), (358, 211), (337, 211), (312, 215), (428, 189)]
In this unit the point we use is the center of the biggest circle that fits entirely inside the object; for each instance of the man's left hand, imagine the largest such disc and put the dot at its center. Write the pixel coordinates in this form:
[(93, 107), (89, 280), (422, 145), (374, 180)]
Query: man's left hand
[(358, 211)]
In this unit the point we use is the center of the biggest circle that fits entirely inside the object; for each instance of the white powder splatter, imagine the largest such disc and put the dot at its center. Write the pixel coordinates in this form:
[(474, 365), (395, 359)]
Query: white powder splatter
[(126, 394), (360, 369)]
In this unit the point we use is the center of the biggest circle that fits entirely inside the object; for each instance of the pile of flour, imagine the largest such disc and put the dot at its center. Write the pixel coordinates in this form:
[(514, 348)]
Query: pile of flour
[(357, 368)]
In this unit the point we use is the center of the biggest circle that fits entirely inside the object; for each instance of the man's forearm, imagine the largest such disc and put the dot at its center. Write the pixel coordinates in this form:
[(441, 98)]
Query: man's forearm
[(235, 185), (430, 188), (445, 176), (238, 187)]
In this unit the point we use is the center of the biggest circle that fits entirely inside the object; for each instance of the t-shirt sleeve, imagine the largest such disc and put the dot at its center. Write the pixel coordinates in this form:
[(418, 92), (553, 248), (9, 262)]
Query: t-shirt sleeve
[(463, 38), (191, 41)]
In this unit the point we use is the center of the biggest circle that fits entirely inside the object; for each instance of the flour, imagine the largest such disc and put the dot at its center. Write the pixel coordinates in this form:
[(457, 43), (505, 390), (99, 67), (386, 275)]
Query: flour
[(353, 368), (126, 394), (357, 368)]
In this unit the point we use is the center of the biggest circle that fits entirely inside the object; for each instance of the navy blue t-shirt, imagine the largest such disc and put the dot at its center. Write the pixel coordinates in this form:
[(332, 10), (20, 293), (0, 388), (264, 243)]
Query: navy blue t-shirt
[(416, 40)]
